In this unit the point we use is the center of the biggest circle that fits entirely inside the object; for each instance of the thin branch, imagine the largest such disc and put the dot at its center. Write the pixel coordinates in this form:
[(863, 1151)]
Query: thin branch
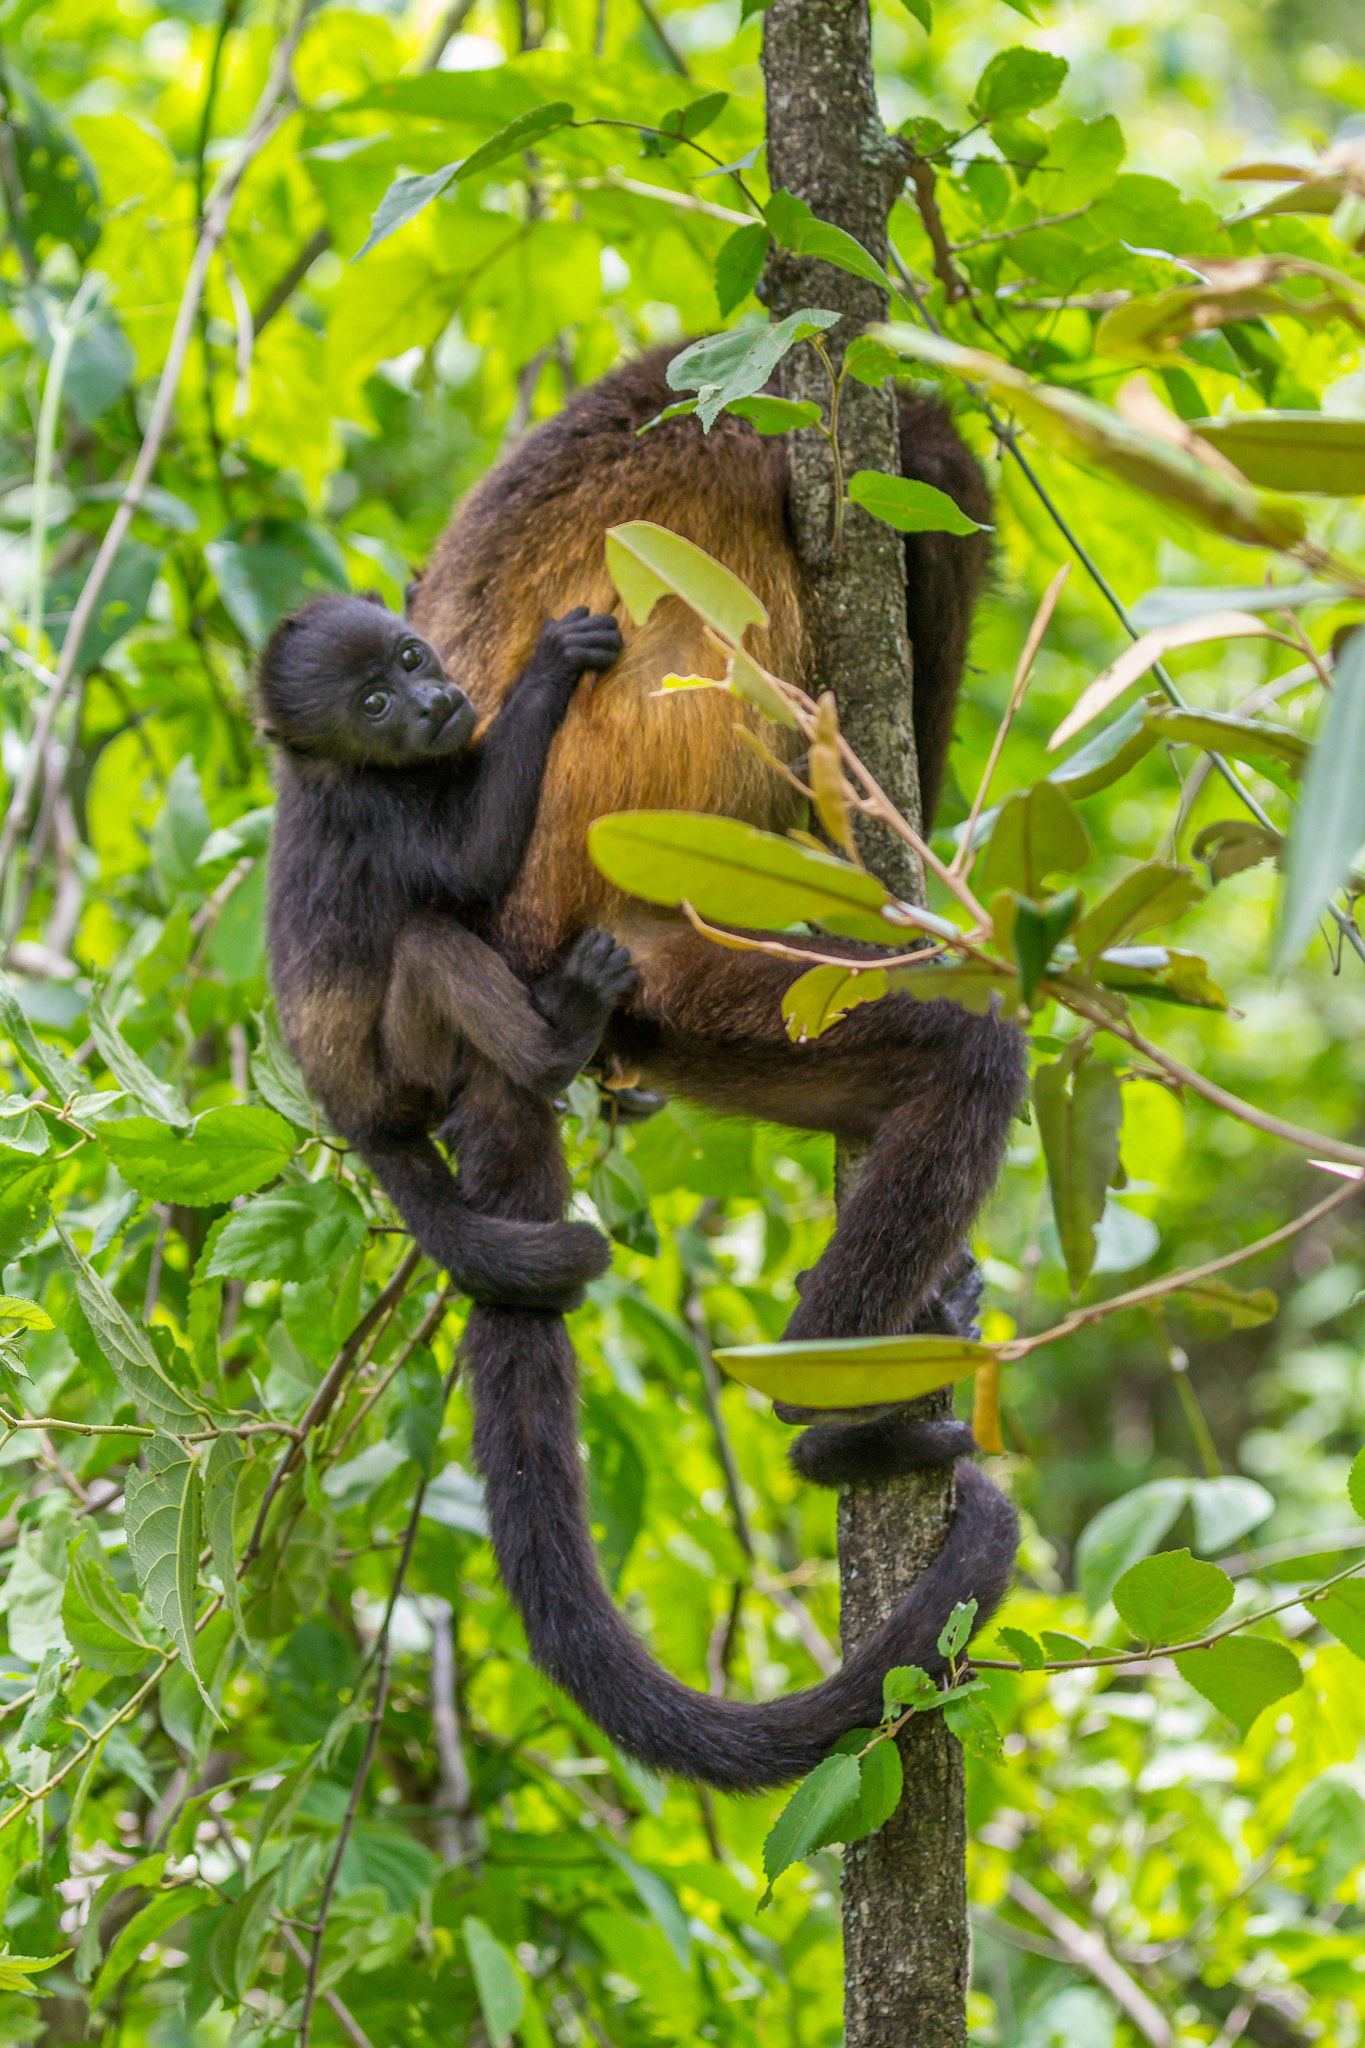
[(1173, 1283), (269, 117), (1048, 220), (1087, 1951), (381, 1695)]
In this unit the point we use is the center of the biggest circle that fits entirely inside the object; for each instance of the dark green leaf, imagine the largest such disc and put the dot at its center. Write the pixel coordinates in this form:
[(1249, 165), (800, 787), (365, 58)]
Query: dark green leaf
[(502, 1998), (923, 13), (794, 226), (161, 1514), (972, 1722), (776, 415), (1025, 1647), (739, 363), (1037, 834), (267, 567), (129, 1349), (957, 1629), (133, 1075), (1036, 932), (101, 1623), (1153, 894)]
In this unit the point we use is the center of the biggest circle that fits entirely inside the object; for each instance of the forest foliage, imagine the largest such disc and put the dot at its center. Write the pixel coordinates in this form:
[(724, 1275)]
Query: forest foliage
[(275, 1759)]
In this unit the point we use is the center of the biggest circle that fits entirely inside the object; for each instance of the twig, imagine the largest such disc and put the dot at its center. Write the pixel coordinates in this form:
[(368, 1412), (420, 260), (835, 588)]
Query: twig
[(341, 2013), (651, 15), (320, 1405), (921, 176), (1087, 1951), (269, 116), (1048, 220), (1172, 1283), (456, 1826), (381, 1695), (1042, 620)]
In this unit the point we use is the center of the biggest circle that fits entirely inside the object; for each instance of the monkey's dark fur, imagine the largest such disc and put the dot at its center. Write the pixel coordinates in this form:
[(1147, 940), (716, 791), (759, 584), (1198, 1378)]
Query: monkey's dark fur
[(928, 1088), (397, 839)]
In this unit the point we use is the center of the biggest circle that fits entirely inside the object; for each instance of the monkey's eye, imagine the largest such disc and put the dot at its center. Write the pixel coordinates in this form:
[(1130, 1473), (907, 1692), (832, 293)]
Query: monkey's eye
[(375, 704), (411, 655)]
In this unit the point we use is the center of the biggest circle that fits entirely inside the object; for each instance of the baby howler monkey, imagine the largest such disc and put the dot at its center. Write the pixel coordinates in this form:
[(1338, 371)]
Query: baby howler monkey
[(398, 836)]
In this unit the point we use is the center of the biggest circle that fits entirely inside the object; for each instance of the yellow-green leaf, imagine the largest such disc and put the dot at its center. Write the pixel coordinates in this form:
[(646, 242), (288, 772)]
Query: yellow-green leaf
[(854, 1372), (648, 562)]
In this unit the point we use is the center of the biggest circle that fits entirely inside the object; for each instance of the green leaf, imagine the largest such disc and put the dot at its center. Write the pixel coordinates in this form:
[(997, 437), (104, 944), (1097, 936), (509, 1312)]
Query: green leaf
[(1036, 931), (776, 415), (1292, 451), (181, 827), (972, 1722), (1080, 1115), (51, 1067), (853, 1372), (1152, 894), (881, 1779), (1168, 606), (1037, 833), (1355, 1484), (923, 13), (1225, 1509), (161, 1515), (1025, 1647), (794, 226), (739, 265), (129, 1349), (1329, 825), (648, 562), (275, 1075), (230, 1152), (956, 1632), (223, 1468), (133, 1076), (1171, 1597), (825, 994), (101, 1623), (908, 505), (1341, 1610), (406, 197), (311, 1228), (735, 874), (870, 362), (1327, 1827), (737, 364), (1122, 1532), (905, 1685), (27, 1315), (146, 1929), (817, 1805), (15, 1971), (502, 1999), (1241, 1310), (659, 1900), (266, 567), (1016, 81), (1249, 739), (1241, 1676)]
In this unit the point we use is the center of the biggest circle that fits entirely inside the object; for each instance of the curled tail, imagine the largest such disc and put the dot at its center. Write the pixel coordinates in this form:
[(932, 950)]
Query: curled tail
[(528, 1265), (524, 1380)]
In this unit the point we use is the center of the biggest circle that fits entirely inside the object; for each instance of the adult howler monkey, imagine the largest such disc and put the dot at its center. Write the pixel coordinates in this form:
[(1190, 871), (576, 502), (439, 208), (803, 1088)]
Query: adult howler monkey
[(928, 1088), (397, 838)]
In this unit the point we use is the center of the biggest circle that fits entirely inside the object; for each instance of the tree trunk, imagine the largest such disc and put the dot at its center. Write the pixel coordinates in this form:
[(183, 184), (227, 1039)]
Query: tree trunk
[(905, 1911)]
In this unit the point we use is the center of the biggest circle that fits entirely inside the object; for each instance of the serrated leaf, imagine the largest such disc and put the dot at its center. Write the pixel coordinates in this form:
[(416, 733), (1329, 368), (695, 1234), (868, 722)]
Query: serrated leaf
[(972, 1722), (133, 1075), (275, 1075), (956, 1632), (27, 1315), (101, 1623), (1171, 1597), (502, 1998), (50, 1066), (16, 1971), (853, 1372), (1037, 833), (905, 1685), (818, 1804), (738, 363), (881, 1780), (1341, 1610), (1329, 825), (231, 1151), (295, 1232), (648, 562), (1080, 1115), (161, 1516), (739, 265), (736, 874), (909, 505), (129, 1349), (1122, 1532), (1241, 1676)]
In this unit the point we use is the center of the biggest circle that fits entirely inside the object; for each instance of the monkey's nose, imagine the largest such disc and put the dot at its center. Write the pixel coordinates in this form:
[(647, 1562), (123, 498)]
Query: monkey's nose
[(440, 705)]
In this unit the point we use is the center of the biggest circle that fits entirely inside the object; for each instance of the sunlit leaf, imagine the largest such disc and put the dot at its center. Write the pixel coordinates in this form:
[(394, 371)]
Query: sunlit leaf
[(1293, 451), (1171, 1597), (1241, 1676), (230, 1152), (648, 562), (853, 1372), (1152, 894), (909, 505), (1037, 833)]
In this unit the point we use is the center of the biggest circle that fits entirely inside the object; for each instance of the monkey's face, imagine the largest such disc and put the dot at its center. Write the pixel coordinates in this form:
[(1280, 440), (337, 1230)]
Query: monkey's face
[(346, 679)]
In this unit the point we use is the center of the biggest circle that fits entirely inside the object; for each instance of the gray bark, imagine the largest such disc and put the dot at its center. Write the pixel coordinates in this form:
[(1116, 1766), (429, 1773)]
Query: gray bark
[(905, 1913)]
